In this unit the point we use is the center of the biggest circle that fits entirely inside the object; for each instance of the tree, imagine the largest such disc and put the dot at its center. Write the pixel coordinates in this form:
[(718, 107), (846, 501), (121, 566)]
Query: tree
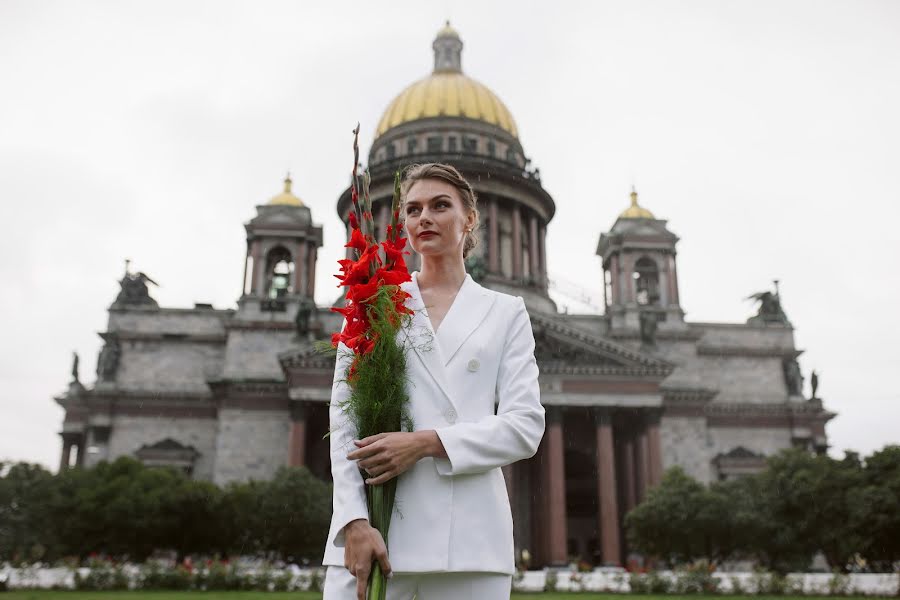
[(875, 509), (680, 520), (25, 529), (804, 498), (297, 513)]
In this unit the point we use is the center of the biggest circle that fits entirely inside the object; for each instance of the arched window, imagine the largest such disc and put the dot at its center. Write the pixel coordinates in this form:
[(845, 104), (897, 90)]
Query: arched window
[(279, 273), (646, 281)]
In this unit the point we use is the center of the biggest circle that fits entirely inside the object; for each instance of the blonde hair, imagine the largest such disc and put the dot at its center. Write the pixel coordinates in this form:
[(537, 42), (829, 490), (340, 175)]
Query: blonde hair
[(448, 174)]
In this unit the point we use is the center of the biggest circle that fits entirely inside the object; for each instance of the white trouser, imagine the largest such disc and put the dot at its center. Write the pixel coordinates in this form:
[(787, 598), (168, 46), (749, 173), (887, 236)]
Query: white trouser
[(341, 585)]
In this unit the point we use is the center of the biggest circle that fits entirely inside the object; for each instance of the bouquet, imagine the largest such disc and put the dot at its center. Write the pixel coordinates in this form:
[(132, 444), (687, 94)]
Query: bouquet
[(375, 311)]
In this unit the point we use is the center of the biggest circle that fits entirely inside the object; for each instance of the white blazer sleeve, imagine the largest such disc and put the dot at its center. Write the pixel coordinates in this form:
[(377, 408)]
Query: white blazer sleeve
[(515, 431), (349, 495)]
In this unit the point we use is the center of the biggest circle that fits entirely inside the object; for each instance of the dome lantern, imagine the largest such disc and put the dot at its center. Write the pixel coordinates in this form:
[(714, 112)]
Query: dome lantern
[(636, 211), (286, 197), (447, 51)]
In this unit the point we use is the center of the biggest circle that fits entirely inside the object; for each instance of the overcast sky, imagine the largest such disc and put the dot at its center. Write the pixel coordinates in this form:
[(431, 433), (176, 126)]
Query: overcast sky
[(767, 133)]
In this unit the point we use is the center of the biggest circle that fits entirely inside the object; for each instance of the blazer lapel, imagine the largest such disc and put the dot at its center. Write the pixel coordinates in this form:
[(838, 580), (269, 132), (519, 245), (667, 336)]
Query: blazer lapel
[(468, 310)]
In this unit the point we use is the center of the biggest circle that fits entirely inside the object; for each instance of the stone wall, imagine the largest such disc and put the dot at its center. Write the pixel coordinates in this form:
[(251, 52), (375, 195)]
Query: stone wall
[(130, 433), (250, 444), (169, 366), (685, 444), (169, 320)]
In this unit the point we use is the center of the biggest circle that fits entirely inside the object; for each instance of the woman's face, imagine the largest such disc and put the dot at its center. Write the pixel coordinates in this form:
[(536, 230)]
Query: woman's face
[(436, 219)]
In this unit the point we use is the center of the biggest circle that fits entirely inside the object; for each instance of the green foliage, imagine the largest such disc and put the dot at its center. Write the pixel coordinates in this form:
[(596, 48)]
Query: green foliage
[(296, 512), (696, 578), (124, 509), (156, 577), (26, 530), (875, 509), (378, 401), (103, 576), (680, 521), (550, 581), (801, 503)]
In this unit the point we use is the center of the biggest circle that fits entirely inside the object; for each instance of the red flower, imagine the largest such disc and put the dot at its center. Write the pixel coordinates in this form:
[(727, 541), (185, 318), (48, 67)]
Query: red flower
[(357, 240)]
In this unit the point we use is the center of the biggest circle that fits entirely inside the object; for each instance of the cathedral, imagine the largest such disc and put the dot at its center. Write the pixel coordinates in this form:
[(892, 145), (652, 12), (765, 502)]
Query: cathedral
[(234, 394)]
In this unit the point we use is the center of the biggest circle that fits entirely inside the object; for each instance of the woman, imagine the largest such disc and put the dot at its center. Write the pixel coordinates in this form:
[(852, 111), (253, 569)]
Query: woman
[(475, 404)]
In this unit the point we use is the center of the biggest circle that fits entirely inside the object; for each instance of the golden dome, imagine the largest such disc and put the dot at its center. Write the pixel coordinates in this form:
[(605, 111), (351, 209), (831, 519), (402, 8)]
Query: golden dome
[(447, 31), (636, 211), (286, 198), (447, 92)]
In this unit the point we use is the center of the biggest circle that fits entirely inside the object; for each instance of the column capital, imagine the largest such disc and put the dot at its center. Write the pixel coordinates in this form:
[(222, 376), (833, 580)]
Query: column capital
[(603, 415), (298, 410), (554, 413), (652, 416)]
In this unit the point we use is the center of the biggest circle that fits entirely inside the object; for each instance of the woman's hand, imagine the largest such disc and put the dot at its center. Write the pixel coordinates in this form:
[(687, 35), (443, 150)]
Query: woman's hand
[(362, 545), (387, 455)]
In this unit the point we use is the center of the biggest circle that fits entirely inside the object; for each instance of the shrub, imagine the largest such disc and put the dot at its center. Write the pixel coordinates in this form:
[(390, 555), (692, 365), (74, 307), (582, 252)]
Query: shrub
[(156, 577), (317, 581), (696, 578), (102, 576), (550, 582)]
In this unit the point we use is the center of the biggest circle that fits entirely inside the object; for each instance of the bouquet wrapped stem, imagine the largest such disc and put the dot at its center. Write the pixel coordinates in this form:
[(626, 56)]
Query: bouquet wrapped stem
[(375, 311)]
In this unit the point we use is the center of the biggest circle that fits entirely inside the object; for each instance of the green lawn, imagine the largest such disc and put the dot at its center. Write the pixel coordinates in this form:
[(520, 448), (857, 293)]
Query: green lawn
[(43, 595)]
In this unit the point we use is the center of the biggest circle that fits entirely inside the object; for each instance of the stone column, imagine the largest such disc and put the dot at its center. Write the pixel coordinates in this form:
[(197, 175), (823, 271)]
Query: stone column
[(82, 447), (300, 266), (654, 449), (509, 473), (261, 271), (615, 283), (383, 220), (493, 238), (628, 468), (311, 271), (535, 266), (641, 468), (674, 281), (543, 254), (66, 455), (244, 280), (554, 522), (297, 439), (255, 277), (606, 489), (628, 274), (516, 242)]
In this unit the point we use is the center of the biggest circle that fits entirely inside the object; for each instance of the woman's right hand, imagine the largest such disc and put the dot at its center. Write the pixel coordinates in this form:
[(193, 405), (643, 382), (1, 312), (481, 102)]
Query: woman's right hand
[(363, 544)]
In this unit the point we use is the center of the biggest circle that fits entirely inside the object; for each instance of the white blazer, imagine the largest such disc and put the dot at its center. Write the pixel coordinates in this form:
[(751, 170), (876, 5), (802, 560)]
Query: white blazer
[(476, 384)]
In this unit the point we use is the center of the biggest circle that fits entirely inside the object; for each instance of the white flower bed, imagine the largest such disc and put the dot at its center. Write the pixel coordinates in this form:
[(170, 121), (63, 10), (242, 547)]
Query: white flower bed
[(611, 580)]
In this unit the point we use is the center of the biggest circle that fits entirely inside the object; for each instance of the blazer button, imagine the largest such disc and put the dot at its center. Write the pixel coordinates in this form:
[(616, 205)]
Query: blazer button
[(451, 415), (473, 365)]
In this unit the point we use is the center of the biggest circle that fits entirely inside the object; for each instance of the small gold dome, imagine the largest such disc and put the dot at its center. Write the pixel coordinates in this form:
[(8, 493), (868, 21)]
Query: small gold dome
[(286, 198), (447, 92), (635, 211), (447, 31)]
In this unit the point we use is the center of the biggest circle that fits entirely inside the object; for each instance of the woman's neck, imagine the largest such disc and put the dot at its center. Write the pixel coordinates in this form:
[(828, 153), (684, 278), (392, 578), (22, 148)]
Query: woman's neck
[(439, 272)]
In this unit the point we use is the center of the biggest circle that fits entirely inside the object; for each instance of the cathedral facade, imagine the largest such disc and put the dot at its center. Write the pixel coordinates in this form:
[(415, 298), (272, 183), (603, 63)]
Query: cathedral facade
[(235, 394)]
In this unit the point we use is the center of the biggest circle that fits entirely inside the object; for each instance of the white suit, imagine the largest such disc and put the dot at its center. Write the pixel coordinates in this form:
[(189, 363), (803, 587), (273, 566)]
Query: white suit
[(452, 514)]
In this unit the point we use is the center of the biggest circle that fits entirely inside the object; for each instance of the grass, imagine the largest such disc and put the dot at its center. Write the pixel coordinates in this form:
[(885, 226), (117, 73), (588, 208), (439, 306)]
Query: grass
[(69, 595)]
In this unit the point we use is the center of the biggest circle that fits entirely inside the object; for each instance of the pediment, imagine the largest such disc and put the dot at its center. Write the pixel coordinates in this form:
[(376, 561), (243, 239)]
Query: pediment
[(558, 345)]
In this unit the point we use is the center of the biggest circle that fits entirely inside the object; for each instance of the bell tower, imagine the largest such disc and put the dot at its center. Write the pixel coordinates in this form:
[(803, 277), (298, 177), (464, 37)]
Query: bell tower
[(641, 282), (282, 243)]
